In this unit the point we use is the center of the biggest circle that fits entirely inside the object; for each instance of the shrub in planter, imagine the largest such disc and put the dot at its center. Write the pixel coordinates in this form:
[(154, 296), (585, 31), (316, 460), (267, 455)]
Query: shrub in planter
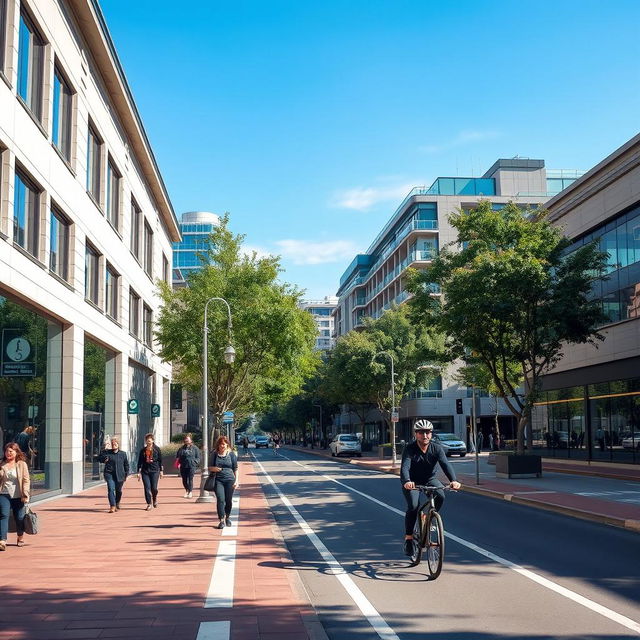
[(168, 452)]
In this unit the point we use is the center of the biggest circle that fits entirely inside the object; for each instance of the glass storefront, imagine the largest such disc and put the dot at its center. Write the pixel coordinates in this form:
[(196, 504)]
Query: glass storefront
[(599, 422), (31, 391)]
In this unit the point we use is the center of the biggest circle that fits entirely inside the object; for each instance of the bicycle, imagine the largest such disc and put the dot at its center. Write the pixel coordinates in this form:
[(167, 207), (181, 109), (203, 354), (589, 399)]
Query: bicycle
[(428, 533)]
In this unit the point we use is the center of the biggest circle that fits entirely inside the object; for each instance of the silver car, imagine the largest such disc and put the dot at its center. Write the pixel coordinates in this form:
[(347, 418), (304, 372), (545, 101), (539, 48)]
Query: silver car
[(347, 443), (451, 444)]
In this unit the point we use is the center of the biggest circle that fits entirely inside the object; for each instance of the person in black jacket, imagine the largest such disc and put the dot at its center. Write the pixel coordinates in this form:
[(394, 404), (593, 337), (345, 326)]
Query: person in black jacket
[(116, 470), (224, 463), (188, 457), (419, 461), (150, 470)]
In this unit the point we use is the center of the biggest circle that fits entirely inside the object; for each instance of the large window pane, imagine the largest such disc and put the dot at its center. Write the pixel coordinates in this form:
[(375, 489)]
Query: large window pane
[(94, 164), (111, 294), (136, 229), (62, 114), (3, 32), (26, 209), (92, 275), (633, 239), (59, 244), (113, 194), (30, 65)]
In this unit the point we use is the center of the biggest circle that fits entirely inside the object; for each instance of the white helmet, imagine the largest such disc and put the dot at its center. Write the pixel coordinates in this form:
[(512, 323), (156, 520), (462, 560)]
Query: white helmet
[(422, 424)]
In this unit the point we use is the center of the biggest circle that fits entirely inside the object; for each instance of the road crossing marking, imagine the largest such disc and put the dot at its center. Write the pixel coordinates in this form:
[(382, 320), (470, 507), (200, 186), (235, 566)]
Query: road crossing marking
[(220, 592), (545, 582), (368, 610), (218, 630)]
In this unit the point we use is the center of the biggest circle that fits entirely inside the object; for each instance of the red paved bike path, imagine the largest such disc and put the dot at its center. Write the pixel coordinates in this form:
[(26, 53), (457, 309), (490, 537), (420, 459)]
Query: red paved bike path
[(137, 574)]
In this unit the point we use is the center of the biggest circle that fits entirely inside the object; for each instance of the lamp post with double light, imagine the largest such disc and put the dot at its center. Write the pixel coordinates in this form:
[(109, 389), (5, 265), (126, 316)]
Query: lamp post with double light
[(394, 415), (229, 357)]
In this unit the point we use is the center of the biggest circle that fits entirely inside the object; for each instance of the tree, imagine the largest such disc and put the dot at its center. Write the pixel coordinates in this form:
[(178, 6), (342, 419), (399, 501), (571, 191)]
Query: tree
[(514, 295), (272, 336)]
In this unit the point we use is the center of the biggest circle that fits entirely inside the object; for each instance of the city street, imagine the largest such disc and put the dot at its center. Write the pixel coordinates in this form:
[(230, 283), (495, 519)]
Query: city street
[(510, 571)]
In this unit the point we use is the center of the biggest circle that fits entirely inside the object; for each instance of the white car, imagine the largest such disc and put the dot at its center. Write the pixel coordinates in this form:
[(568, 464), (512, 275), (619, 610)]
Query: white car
[(347, 443), (632, 441), (451, 444)]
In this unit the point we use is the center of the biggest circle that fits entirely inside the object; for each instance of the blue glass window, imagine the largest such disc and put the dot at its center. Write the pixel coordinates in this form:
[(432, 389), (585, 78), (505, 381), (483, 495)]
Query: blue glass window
[(26, 214), (30, 66), (62, 105)]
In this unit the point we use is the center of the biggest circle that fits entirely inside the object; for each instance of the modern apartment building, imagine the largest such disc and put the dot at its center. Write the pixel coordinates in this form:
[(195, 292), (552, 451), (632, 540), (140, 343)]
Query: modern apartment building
[(375, 280), (591, 408), (195, 227), (86, 227), (322, 312)]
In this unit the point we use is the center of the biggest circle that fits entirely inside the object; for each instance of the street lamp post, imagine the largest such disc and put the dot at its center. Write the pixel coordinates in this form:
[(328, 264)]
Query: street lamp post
[(474, 431), (229, 357), (393, 405)]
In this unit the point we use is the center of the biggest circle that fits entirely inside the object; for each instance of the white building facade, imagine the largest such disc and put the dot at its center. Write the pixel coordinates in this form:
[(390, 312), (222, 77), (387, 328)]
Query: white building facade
[(86, 227), (323, 314)]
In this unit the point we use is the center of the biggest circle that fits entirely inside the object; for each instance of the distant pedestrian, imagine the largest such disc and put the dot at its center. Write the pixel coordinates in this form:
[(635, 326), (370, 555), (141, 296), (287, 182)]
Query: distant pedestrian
[(23, 440), (224, 463), (491, 441), (15, 490), (245, 445), (480, 440), (600, 437), (150, 470), (188, 457), (116, 471)]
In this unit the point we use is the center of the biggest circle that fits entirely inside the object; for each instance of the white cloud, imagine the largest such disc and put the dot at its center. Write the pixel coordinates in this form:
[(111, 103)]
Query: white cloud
[(462, 139), (248, 250), (363, 198), (302, 252)]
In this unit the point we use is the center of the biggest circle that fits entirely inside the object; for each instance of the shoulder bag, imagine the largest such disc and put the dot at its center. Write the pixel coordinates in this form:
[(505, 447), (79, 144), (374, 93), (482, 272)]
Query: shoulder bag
[(210, 482), (30, 521)]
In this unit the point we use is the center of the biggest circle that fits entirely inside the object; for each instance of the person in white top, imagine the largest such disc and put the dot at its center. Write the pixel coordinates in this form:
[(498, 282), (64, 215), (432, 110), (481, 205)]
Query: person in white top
[(15, 489)]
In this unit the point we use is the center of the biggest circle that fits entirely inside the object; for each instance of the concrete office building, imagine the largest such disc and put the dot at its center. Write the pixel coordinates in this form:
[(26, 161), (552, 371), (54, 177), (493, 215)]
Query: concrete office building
[(591, 408), (86, 227), (322, 312), (375, 280)]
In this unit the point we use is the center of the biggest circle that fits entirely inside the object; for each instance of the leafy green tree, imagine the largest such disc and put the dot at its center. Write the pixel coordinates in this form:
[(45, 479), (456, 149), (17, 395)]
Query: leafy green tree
[(514, 296), (272, 336)]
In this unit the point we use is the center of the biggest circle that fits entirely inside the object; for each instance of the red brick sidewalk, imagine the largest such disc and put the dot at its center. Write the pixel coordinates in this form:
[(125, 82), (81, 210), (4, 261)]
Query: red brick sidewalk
[(137, 574)]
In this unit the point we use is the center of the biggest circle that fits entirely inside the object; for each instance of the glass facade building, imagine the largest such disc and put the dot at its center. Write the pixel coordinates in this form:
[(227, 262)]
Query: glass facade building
[(196, 227)]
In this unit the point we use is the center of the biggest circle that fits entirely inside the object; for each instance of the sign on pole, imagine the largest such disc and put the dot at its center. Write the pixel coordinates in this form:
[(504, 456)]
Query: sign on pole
[(228, 417), (132, 406), (155, 410), (395, 415)]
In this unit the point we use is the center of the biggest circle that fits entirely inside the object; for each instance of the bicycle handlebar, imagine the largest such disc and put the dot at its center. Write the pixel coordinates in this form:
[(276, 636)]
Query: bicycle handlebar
[(429, 489)]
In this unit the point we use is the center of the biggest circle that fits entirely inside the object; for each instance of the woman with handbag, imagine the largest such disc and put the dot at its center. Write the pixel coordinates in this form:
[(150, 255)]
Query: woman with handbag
[(15, 489), (150, 469), (223, 462)]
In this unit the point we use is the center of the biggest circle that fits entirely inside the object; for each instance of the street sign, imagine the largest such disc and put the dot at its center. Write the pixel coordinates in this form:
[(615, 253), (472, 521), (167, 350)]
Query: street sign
[(15, 360), (395, 415), (155, 410), (228, 417), (132, 406)]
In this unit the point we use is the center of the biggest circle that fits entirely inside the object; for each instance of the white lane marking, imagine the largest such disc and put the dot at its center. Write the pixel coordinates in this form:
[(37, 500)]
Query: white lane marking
[(545, 582), (220, 592), (368, 610), (235, 514), (219, 630)]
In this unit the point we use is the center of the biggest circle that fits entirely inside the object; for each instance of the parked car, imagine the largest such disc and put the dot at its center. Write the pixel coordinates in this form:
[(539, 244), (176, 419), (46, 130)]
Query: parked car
[(262, 441), (632, 441), (347, 443), (451, 444)]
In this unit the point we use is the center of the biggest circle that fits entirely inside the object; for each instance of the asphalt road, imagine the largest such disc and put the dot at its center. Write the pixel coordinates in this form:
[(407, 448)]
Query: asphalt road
[(509, 571)]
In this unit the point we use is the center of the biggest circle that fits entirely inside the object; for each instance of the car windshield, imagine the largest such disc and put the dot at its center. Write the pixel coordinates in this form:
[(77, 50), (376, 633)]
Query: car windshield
[(349, 438), (448, 436)]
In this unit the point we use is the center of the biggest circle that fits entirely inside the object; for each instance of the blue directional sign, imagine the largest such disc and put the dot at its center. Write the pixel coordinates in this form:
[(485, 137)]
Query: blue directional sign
[(227, 417)]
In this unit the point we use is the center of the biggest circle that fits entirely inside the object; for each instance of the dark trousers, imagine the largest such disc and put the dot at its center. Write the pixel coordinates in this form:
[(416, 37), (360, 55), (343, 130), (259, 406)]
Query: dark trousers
[(413, 499), (224, 497), (150, 482), (7, 505), (114, 489), (187, 473)]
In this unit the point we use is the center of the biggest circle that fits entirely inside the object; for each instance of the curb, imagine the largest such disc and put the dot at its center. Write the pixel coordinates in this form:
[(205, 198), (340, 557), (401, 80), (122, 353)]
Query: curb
[(592, 516)]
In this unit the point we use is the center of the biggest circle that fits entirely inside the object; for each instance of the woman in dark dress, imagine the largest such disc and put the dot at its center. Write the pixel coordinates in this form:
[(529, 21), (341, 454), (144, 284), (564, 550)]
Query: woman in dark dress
[(150, 470), (224, 463)]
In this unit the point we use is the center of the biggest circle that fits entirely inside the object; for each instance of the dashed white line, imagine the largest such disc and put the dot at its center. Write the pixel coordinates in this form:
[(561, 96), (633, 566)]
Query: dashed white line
[(220, 592)]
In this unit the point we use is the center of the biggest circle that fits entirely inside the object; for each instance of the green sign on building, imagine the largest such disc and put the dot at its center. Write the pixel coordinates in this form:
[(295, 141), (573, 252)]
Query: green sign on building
[(155, 410), (132, 406)]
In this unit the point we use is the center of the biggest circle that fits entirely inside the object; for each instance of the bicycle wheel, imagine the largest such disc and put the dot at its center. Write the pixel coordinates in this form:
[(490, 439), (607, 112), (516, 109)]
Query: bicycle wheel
[(435, 544), (418, 539)]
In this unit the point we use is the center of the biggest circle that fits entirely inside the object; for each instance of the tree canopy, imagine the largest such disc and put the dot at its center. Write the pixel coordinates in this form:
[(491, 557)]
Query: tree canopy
[(515, 296)]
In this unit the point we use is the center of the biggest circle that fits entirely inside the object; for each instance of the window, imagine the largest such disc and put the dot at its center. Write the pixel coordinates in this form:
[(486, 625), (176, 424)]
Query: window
[(113, 194), (30, 66), (148, 249), (91, 274), (111, 292), (147, 319), (62, 105), (165, 269), (136, 222), (3, 32), (94, 164), (134, 313), (59, 244), (26, 214)]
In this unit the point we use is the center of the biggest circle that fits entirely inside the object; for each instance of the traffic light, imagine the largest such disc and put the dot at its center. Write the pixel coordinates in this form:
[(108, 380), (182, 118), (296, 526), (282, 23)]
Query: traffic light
[(459, 406)]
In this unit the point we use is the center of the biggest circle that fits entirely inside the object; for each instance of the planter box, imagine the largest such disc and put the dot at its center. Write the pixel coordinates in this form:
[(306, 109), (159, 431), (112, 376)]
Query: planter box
[(385, 452), (515, 466)]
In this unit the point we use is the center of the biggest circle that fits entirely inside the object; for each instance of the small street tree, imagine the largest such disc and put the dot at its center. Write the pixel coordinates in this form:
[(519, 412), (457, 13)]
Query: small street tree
[(272, 336), (514, 296)]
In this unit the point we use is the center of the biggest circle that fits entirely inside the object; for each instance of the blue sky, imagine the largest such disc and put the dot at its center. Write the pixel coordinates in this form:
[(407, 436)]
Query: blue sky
[(309, 121)]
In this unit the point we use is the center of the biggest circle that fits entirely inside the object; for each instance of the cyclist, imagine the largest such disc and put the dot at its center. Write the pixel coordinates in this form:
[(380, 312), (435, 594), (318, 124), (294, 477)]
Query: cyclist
[(419, 461)]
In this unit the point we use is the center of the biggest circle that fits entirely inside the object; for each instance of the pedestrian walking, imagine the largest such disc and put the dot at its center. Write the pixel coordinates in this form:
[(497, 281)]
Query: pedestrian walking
[(245, 445), (23, 440), (491, 442), (150, 470), (116, 472), (188, 457), (15, 490), (480, 440), (224, 463)]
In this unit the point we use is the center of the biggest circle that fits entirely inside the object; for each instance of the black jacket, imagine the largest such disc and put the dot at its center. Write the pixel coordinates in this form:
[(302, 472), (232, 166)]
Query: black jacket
[(420, 467), (189, 457), (155, 464), (115, 464)]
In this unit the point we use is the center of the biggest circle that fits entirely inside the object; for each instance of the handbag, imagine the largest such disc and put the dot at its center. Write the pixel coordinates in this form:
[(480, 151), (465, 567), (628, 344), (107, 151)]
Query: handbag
[(176, 463), (210, 483), (30, 521)]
